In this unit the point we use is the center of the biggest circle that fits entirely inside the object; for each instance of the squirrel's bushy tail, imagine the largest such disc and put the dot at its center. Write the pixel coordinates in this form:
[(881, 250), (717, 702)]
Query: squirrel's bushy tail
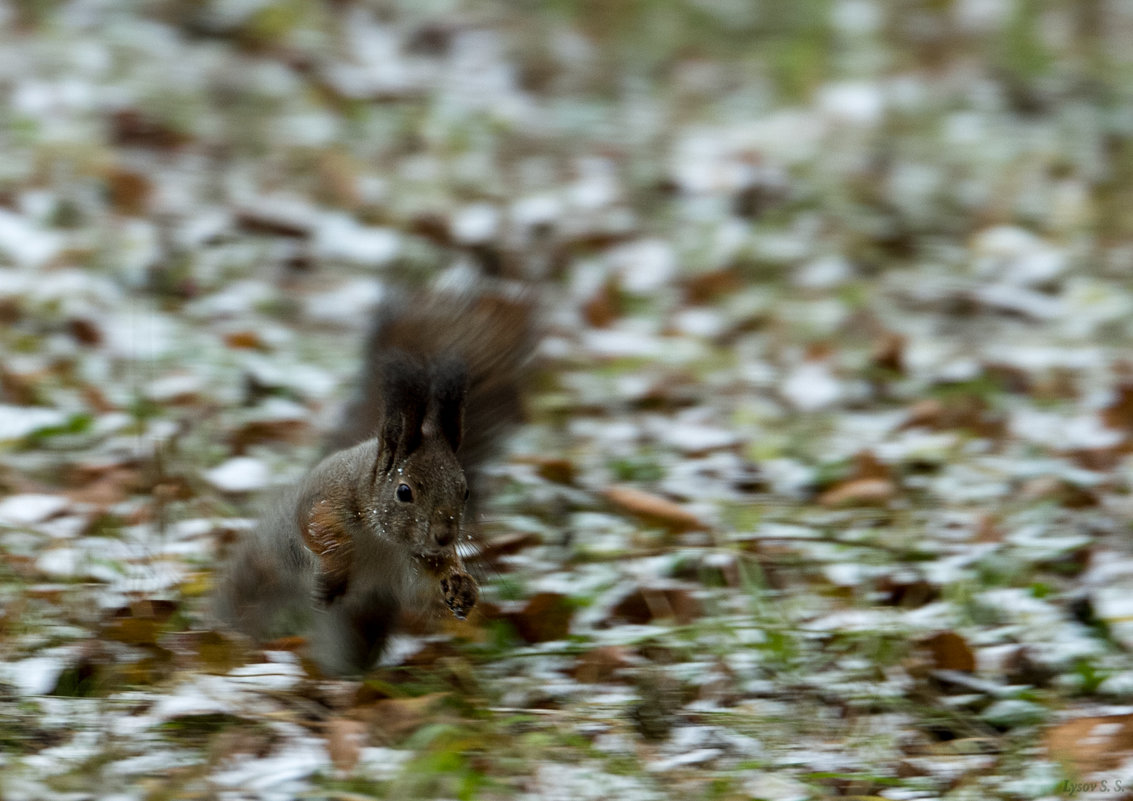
[(491, 332)]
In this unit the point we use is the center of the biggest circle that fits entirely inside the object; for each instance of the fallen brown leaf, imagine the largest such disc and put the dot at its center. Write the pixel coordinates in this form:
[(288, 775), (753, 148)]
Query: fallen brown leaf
[(560, 471), (925, 413), (708, 286), (907, 593), (1119, 413), (129, 191), (867, 465), (722, 569), (965, 412), (21, 389), (604, 306), (1101, 459), (131, 128), (293, 643), (345, 739), (213, 651), (859, 492), (140, 623), (392, 719), (244, 340), (646, 604), (258, 221), (546, 616), (1091, 744), (337, 176), (653, 509), (96, 399), (259, 432), (889, 353), (105, 487), (987, 529), (1010, 377), (507, 544), (471, 628), (85, 331), (1060, 491), (600, 664), (949, 651)]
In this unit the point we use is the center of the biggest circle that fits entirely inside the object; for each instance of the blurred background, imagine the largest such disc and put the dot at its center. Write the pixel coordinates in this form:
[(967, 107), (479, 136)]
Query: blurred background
[(826, 485)]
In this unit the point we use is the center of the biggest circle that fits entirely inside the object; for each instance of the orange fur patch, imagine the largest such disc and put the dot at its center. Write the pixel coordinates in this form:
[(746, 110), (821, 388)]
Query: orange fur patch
[(327, 538)]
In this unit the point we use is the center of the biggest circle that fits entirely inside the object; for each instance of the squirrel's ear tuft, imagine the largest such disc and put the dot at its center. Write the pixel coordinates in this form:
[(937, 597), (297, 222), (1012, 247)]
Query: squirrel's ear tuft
[(405, 399), (450, 386)]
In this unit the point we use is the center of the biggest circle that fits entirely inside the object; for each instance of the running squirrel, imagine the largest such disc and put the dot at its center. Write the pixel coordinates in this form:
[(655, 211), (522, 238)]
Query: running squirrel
[(374, 527)]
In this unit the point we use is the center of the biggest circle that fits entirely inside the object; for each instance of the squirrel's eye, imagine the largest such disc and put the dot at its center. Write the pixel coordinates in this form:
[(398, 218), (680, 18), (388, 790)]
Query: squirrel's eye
[(404, 493), (466, 493)]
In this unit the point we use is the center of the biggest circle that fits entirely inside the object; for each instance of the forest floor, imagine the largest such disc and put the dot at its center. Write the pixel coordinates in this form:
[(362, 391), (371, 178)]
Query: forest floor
[(827, 486)]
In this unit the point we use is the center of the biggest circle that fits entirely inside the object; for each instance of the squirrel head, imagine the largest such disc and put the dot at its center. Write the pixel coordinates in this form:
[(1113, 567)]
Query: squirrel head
[(406, 485), (420, 489)]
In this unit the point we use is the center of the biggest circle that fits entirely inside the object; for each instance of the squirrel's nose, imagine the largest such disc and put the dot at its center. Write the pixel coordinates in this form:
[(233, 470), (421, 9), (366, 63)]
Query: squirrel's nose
[(444, 534)]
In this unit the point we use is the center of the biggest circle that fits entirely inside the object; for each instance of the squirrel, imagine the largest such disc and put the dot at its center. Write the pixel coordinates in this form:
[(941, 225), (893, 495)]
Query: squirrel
[(374, 527)]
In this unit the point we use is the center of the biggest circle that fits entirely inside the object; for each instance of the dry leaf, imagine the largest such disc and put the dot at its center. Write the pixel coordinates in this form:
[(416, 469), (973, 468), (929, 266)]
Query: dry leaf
[(907, 593), (708, 286), (987, 529), (600, 664), (546, 616), (392, 719), (716, 569), (1092, 744), (337, 176), (859, 492), (129, 191), (214, 651), (261, 221), (1100, 460), (260, 432), (470, 628), (653, 509), (1011, 378), (96, 399), (867, 465), (604, 306), (646, 604), (85, 331), (1119, 414), (21, 389), (1058, 490), (965, 412), (432, 227), (950, 651), (292, 643), (926, 413), (131, 128), (496, 548), (560, 471), (675, 390), (889, 353), (140, 623), (244, 340), (345, 739), (106, 486)]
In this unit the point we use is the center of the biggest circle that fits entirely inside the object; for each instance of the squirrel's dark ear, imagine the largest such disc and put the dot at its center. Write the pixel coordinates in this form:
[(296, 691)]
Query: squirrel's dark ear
[(450, 385), (405, 398)]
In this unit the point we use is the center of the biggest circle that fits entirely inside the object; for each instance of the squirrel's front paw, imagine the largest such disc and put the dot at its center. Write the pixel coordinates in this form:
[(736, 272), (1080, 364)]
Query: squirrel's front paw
[(461, 592)]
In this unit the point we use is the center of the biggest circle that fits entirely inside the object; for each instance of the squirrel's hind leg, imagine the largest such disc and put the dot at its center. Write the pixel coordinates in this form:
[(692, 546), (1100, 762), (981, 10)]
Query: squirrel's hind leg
[(264, 587), (349, 636)]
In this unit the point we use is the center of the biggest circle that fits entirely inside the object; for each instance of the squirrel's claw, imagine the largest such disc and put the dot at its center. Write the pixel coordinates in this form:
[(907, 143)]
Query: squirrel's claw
[(460, 592)]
